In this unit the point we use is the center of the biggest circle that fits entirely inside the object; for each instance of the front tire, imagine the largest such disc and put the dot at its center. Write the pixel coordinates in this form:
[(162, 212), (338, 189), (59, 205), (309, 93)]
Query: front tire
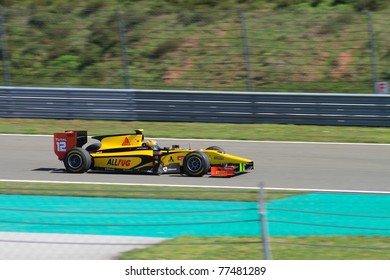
[(77, 160), (196, 164)]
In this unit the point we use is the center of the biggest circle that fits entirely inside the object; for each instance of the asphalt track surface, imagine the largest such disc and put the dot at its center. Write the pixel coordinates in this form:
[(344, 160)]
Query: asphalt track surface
[(317, 166), (320, 166)]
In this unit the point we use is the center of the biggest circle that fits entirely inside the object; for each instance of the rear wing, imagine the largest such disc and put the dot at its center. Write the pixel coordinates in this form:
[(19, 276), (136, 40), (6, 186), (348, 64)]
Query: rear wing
[(64, 141)]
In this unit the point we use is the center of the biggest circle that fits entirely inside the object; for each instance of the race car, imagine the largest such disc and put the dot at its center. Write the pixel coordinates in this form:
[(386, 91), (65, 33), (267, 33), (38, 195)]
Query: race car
[(130, 153)]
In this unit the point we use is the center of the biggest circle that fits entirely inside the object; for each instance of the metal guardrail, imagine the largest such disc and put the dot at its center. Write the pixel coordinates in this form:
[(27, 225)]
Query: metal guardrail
[(195, 106)]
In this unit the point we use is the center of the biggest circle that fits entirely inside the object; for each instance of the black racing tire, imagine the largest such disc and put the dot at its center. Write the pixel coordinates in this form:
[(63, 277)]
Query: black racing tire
[(77, 160), (196, 164), (216, 148), (93, 147)]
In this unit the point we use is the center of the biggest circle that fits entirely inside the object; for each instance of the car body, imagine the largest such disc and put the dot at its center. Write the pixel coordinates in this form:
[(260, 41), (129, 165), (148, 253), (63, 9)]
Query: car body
[(128, 153)]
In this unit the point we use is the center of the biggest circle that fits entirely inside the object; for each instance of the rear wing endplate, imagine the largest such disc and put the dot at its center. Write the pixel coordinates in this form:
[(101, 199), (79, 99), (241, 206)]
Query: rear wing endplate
[(64, 141)]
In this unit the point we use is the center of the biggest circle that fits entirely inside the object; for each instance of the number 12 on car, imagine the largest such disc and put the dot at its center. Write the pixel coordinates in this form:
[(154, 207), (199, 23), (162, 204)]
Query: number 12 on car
[(61, 146)]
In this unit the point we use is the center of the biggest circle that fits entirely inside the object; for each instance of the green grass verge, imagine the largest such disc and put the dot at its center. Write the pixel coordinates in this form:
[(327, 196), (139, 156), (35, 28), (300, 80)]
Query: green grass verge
[(261, 132), (250, 248), (147, 192)]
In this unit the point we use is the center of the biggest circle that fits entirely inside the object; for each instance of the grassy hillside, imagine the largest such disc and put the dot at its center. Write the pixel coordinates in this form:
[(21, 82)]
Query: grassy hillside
[(357, 5), (283, 45)]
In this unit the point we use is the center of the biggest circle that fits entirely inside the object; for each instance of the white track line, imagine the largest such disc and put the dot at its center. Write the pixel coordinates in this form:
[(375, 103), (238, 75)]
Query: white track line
[(224, 140), (122, 184), (192, 186)]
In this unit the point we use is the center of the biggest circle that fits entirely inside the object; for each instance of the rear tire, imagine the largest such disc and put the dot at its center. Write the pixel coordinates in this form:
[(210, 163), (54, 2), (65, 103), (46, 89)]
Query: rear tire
[(196, 164), (77, 160)]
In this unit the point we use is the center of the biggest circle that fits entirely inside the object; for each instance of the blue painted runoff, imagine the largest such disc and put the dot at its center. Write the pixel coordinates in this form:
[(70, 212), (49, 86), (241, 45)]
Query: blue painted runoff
[(304, 215)]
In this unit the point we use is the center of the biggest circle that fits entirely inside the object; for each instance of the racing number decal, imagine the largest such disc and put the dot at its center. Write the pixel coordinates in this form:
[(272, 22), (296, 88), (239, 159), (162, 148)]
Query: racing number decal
[(61, 146), (63, 142)]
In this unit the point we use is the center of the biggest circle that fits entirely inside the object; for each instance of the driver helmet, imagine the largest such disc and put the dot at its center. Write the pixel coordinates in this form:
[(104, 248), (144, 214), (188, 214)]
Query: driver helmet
[(152, 144)]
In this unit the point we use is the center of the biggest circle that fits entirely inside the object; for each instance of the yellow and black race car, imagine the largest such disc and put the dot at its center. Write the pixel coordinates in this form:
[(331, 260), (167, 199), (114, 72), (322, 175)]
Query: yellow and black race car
[(131, 153)]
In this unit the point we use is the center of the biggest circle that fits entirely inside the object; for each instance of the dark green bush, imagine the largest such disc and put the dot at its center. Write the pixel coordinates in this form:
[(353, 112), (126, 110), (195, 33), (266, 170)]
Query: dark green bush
[(370, 5), (164, 48), (280, 4)]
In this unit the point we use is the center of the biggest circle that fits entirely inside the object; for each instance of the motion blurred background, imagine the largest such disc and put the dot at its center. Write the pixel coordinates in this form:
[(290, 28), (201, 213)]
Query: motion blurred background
[(337, 46)]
